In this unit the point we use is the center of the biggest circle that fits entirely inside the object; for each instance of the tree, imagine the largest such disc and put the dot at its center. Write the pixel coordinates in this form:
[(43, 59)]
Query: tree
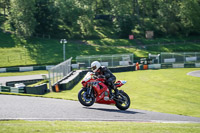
[(75, 17), (124, 18), (22, 17), (5, 4), (190, 16), (46, 17), (87, 18)]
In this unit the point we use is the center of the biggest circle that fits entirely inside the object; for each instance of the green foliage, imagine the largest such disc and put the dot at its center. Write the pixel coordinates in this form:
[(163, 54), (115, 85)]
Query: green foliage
[(46, 16), (22, 17), (190, 16), (77, 19)]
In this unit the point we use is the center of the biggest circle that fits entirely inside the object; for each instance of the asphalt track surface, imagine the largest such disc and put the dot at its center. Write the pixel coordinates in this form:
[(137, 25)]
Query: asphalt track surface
[(14, 107)]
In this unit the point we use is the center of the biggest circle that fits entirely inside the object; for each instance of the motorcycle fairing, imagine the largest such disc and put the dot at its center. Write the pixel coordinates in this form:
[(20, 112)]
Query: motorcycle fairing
[(120, 83), (103, 94)]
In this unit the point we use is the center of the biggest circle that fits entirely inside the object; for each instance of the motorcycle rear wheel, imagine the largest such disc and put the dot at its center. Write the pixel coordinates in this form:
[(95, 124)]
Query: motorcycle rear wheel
[(123, 101), (83, 99)]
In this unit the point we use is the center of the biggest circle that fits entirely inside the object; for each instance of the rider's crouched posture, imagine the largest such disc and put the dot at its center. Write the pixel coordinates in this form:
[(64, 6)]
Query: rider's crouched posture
[(104, 72)]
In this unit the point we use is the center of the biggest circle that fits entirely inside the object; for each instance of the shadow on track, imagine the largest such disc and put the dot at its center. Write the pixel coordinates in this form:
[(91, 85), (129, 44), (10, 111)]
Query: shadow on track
[(114, 110)]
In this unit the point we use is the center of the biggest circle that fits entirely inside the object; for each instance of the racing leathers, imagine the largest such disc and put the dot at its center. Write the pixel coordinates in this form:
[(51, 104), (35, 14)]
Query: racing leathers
[(104, 72)]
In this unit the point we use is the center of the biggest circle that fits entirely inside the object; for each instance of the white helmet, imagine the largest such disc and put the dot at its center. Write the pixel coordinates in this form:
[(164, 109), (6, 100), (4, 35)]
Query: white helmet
[(95, 65)]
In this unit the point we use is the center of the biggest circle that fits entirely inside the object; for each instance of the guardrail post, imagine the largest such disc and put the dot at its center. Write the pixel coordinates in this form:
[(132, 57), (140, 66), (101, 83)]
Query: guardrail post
[(50, 87), (184, 57), (112, 60), (196, 56)]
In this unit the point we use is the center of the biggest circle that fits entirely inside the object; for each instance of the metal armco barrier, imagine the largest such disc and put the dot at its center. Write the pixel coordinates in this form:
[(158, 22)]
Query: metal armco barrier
[(58, 72), (180, 57), (114, 60)]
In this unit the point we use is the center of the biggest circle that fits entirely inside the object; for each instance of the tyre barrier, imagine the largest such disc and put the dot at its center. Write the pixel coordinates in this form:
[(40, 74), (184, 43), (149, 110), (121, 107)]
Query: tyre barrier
[(26, 82), (165, 66), (37, 90), (69, 81), (11, 89)]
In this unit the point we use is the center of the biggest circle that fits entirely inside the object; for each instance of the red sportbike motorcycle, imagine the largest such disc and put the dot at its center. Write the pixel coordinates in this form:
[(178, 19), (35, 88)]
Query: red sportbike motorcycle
[(95, 90)]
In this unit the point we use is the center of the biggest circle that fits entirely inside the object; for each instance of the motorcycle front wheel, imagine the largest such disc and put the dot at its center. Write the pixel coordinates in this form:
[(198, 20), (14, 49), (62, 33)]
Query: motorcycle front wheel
[(122, 101), (84, 99)]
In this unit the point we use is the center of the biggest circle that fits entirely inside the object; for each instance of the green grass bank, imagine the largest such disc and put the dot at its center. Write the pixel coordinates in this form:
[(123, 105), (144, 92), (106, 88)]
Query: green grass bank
[(38, 51)]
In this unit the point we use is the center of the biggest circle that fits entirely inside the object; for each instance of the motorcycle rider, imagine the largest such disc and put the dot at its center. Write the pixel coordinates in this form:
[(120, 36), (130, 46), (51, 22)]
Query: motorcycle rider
[(104, 72)]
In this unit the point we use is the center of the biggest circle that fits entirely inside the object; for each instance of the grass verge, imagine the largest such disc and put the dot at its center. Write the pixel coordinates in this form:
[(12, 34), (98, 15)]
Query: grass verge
[(94, 127)]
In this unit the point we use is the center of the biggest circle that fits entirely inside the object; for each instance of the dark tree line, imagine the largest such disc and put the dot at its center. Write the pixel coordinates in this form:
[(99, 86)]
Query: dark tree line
[(82, 18)]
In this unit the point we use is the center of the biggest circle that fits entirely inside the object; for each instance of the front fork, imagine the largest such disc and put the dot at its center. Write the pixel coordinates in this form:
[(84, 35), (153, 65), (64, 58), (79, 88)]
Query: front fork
[(88, 92), (122, 99)]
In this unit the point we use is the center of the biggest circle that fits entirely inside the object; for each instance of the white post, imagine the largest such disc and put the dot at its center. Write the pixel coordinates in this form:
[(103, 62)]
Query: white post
[(161, 58), (158, 58), (184, 57), (132, 58), (63, 41), (196, 56), (64, 51), (50, 87), (25, 54), (89, 61), (112, 60)]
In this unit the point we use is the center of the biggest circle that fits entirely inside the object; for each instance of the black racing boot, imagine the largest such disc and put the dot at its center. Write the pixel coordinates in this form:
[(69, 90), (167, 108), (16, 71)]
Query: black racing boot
[(116, 92), (111, 94)]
